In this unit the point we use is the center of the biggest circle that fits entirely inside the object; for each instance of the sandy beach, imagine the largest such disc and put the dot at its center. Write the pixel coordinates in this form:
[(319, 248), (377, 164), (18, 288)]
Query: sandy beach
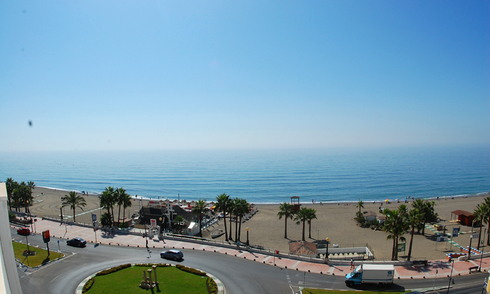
[(334, 220)]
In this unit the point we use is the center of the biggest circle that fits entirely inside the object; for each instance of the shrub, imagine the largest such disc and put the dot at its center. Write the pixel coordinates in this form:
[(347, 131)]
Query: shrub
[(212, 287), (88, 285), (114, 269), (190, 270), (11, 216), (152, 264)]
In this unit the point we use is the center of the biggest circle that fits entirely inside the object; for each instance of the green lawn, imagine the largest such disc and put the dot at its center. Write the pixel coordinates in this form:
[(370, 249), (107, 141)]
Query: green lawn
[(172, 280), (35, 260), (319, 291)]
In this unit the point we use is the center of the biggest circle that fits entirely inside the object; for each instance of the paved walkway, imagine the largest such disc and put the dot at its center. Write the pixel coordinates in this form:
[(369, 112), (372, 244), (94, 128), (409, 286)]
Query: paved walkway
[(435, 268)]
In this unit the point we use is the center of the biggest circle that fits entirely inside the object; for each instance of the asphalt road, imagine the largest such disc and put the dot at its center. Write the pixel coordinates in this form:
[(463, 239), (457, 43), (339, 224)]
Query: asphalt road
[(237, 274)]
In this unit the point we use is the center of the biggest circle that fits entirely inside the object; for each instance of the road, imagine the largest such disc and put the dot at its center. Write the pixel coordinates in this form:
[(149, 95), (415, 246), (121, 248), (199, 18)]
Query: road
[(239, 276)]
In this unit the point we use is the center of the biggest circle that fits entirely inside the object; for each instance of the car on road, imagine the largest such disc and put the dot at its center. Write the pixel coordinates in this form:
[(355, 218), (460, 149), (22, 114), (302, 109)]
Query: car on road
[(78, 242), (24, 231), (172, 254)]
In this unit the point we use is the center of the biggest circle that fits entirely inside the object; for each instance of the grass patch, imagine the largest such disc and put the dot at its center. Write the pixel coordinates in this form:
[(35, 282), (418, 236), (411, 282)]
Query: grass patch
[(320, 291), (172, 280), (40, 258)]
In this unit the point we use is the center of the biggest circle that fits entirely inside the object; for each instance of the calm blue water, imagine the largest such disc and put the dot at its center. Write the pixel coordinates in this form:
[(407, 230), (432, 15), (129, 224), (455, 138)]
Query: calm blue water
[(262, 176)]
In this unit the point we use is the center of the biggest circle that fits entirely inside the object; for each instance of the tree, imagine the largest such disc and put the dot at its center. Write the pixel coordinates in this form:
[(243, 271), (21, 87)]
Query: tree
[(120, 197), (482, 214), (199, 209), (10, 185), (223, 204), (126, 203), (235, 206), (414, 220), (395, 225), (105, 220), (179, 221), (17, 197), (107, 201), (310, 216), (26, 196), (360, 205), (301, 217), (426, 208), (31, 186), (73, 200), (487, 204), (243, 207), (286, 211)]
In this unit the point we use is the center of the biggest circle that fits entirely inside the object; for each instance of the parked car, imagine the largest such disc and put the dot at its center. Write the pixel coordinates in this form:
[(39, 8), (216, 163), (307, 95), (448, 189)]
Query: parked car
[(172, 254), (79, 242), (24, 231)]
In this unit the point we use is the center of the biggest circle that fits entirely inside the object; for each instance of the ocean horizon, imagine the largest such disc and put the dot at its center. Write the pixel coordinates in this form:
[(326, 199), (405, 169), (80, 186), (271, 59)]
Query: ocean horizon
[(262, 176)]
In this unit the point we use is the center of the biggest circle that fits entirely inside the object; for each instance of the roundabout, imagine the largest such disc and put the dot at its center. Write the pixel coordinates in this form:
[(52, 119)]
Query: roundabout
[(162, 278)]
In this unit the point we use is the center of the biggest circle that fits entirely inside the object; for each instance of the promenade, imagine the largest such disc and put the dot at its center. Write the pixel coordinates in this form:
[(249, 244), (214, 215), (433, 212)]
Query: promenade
[(434, 269)]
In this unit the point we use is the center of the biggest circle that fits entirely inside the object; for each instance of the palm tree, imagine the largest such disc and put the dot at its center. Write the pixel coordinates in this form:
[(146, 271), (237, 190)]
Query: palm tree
[(126, 203), (31, 186), (243, 207), (25, 195), (235, 208), (222, 204), (199, 209), (311, 216), (395, 225), (487, 220), (482, 215), (17, 196), (426, 208), (120, 195), (73, 200), (414, 221), (302, 216), (11, 185), (286, 211), (360, 205), (107, 201)]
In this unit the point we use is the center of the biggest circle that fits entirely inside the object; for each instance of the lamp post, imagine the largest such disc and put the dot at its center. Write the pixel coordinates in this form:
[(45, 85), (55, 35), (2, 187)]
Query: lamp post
[(451, 276), (247, 237), (483, 249), (326, 251)]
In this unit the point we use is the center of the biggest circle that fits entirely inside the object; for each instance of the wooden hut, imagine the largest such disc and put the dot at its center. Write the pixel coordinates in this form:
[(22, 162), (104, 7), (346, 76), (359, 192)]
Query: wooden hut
[(464, 217)]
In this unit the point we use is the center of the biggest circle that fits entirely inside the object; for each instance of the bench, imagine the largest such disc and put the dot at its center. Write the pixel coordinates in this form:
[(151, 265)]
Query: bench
[(419, 263), (474, 269)]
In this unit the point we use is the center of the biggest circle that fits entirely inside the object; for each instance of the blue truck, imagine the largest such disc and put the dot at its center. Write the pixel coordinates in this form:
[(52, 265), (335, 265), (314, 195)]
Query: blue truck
[(380, 274)]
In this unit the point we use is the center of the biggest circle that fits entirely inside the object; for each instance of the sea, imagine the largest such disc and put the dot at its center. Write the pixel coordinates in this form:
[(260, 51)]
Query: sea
[(262, 176)]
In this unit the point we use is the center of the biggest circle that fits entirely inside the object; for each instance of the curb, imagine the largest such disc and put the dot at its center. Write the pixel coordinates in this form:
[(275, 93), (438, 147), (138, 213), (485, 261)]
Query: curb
[(221, 287)]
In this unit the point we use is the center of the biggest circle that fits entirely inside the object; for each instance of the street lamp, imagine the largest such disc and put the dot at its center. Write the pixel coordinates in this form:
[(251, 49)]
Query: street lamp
[(326, 252), (247, 237), (451, 276)]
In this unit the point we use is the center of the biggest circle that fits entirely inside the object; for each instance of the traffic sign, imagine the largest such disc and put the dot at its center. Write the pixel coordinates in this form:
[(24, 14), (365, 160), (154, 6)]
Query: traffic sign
[(455, 232)]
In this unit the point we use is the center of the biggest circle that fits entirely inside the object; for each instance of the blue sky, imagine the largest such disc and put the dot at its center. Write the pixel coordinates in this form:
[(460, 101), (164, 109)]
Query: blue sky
[(131, 75)]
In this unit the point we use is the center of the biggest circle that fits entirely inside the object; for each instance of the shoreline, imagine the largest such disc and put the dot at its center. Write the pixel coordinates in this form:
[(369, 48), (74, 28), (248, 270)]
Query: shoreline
[(335, 220), (323, 202)]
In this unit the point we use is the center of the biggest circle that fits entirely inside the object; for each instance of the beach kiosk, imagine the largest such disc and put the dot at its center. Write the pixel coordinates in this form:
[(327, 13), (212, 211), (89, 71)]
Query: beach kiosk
[(295, 203)]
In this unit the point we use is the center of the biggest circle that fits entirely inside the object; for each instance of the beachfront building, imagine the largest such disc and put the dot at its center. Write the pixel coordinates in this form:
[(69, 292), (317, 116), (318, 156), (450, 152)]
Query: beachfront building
[(8, 269)]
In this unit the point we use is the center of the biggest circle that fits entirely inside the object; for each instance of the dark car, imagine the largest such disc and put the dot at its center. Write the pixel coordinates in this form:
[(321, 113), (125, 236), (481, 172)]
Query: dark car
[(172, 254), (79, 242), (24, 231)]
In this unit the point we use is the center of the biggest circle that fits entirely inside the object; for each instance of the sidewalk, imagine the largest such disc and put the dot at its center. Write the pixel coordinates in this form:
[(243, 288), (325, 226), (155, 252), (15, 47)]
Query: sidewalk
[(435, 269)]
